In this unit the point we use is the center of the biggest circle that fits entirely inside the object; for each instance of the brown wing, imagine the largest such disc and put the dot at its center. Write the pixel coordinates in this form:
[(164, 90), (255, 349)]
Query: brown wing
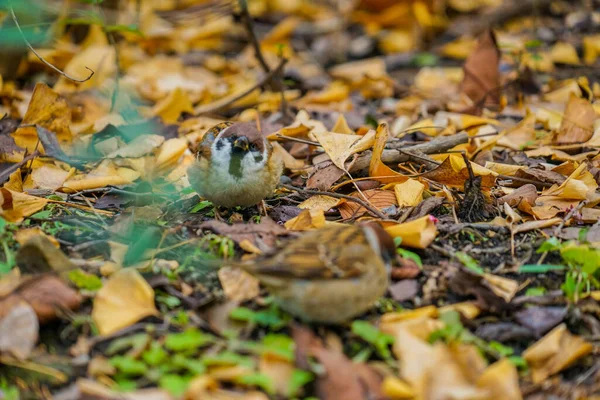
[(209, 138), (332, 252)]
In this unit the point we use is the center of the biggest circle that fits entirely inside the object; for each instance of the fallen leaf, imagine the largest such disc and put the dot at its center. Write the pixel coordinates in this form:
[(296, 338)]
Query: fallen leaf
[(171, 108), (138, 147), (324, 177), (15, 206), (555, 352), (501, 381), (578, 122), (237, 284), (19, 331), (453, 172), (46, 294), (343, 378), (319, 202), (409, 193), (418, 233), (481, 75), (540, 319), (306, 220), (377, 169), (340, 146), (46, 109), (40, 255), (123, 300), (564, 53)]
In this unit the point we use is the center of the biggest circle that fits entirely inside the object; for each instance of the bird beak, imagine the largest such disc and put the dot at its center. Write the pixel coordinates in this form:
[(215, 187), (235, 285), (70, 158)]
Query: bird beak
[(242, 143)]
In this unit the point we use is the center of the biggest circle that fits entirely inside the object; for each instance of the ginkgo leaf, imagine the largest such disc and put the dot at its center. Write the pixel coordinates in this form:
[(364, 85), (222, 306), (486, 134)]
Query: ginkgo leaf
[(340, 146), (170, 108), (554, 352), (418, 233), (15, 206), (377, 169), (409, 193), (307, 220), (123, 300)]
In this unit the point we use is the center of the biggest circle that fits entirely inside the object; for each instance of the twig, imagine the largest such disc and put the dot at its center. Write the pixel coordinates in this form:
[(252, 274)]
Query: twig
[(8, 171), (293, 139), (216, 107), (14, 18), (253, 39), (567, 217), (392, 154), (360, 201)]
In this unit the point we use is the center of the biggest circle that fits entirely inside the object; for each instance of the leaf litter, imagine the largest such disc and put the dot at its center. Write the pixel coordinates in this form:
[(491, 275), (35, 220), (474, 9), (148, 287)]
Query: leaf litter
[(476, 150)]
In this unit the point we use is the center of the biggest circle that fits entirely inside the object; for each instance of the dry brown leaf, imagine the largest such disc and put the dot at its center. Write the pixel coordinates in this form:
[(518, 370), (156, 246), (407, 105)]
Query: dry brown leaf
[(453, 172), (262, 235), (279, 370), (578, 122), (520, 136), (482, 78), (123, 300), (47, 176), (46, 294), (418, 233), (19, 331), (379, 199), (237, 284), (343, 378), (555, 352)]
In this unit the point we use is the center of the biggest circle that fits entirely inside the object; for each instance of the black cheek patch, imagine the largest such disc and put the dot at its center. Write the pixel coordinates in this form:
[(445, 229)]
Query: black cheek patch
[(258, 158), (220, 145)]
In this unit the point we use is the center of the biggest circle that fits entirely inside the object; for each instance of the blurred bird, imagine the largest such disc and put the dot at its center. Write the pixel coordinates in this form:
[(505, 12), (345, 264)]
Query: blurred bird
[(329, 275), (235, 166)]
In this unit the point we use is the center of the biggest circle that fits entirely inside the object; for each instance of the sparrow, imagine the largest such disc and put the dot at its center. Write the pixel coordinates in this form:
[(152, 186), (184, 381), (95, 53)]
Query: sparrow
[(235, 166), (329, 275)]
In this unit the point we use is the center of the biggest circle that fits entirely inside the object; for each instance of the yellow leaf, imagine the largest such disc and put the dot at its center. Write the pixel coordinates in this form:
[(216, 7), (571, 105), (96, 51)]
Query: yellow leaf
[(335, 92), (289, 161), (99, 58), (49, 110), (502, 287), (555, 352), (591, 49), (397, 41), (15, 206), (563, 94), (341, 126), (47, 176), (409, 193), (306, 220), (340, 146), (564, 53), (123, 300), (460, 48), (468, 309), (377, 168), (279, 370), (501, 381), (24, 235), (171, 108), (520, 136), (417, 234), (92, 182), (170, 152), (395, 388), (319, 202), (237, 284)]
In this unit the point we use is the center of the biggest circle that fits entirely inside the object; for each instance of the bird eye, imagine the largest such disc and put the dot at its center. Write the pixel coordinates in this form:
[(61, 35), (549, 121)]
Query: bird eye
[(253, 147)]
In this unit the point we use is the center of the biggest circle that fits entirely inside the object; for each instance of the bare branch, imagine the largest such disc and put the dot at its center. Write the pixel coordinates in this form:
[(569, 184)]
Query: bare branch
[(14, 18)]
